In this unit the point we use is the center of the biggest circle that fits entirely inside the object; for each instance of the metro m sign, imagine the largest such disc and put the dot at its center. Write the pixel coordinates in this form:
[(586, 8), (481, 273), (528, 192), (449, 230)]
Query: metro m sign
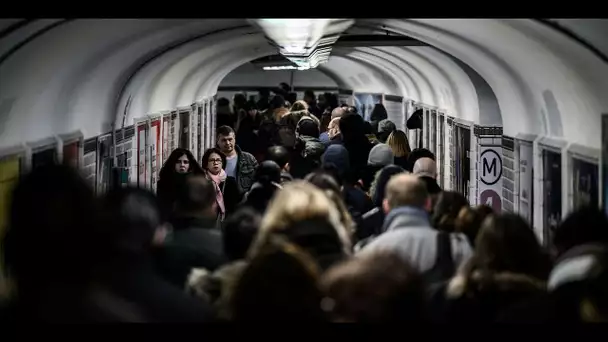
[(491, 167)]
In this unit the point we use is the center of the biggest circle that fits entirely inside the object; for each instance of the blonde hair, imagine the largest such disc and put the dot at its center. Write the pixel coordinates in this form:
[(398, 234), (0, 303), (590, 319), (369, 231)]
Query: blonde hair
[(299, 105), (296, 202), (399, 143), (279, 113)]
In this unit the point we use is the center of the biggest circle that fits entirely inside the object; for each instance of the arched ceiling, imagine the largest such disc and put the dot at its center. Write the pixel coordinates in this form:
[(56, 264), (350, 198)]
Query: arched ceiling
[(80, 74)]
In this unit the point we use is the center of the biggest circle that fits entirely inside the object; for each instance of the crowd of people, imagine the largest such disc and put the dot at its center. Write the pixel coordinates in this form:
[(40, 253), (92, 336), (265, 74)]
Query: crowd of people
[(302, 211)]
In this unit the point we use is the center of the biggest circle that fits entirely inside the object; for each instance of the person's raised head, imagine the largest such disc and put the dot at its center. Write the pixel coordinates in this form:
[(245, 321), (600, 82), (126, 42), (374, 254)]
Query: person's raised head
[(406, 190), (425, 167), (226, 140)]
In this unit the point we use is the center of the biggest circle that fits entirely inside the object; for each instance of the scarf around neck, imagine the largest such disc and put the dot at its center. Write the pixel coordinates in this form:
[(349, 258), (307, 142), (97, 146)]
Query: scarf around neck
[(219, 196)]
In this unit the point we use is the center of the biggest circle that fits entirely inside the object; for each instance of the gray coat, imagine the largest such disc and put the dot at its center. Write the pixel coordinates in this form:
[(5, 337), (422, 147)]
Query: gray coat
[(408, 232)]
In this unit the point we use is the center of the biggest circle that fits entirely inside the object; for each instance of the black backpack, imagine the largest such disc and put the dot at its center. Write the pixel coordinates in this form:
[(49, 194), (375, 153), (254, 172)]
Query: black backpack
[(444, 267)]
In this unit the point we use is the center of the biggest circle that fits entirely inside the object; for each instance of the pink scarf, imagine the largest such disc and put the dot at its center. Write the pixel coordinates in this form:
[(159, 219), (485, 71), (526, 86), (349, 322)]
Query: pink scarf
[(219, 196)]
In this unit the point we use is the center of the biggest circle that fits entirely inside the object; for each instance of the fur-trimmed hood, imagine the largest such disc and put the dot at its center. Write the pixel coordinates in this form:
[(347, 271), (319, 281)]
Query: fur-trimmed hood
[(496, 282)]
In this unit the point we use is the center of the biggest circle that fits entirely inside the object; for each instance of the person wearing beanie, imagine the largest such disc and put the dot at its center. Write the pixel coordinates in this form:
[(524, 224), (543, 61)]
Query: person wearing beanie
[(337, 155), (380, 156), (385, 128)]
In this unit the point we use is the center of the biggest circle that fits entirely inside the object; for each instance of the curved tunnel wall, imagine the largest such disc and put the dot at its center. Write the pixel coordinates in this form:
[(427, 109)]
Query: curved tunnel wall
[(547, 85)]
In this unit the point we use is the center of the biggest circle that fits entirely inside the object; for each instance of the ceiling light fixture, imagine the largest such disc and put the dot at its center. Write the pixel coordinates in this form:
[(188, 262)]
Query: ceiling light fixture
[(305, 42)]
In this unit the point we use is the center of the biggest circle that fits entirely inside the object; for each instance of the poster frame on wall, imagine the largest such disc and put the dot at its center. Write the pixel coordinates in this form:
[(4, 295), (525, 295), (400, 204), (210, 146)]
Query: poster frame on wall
[(362, 110), (212, 121), (346, 96), (200, 130), (194, 130), (154, 148), (541, 144), (207, 122), (604, 164), (71, 138), (166, 136), (43, 145), (103, 183), (584, 154), (184, 113), (397, 118), (441, 150), (525, 174), (470, 187), (141, 143)]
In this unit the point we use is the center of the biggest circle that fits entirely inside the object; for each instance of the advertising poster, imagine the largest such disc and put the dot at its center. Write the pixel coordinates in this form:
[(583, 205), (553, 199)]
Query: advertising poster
[(90, 162), (441, 151), (508, 176), (365, 103), (213, 122), (10, 170), (166, 137), (194, 132), (71, 153), (44, 153), (200, 126), (585, 183), (184, 133), (207, 114), (605, 162), (174, 132), (552, 186), (526, 174), (451, 154), (395, 110), (155, 158), (104, 162), (141, 155), (433, 132)]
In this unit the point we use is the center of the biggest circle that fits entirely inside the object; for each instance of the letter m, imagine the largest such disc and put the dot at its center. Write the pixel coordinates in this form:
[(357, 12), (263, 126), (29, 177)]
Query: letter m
[(490, 168)]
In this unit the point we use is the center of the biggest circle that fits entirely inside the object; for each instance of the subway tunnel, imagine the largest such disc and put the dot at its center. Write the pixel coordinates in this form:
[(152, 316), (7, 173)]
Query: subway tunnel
[(513, 108)]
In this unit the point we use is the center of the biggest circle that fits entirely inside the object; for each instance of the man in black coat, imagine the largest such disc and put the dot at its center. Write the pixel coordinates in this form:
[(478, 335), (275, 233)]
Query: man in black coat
[(196, 241)]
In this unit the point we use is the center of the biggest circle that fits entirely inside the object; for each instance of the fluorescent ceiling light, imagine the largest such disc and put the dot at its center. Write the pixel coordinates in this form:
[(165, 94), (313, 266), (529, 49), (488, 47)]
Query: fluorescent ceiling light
[(285, 67), (305, 42)]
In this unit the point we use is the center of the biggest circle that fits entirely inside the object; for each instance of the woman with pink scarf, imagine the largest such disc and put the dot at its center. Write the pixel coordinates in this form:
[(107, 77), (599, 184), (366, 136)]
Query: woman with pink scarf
[(226, 189)]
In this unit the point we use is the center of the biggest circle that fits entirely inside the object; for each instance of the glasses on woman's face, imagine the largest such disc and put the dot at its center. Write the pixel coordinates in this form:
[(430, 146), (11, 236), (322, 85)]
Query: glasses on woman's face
[(215, 161)]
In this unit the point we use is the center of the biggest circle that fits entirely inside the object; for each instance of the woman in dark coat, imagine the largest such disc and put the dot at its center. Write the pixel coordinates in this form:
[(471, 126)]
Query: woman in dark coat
[(227, 192), (180, 162)]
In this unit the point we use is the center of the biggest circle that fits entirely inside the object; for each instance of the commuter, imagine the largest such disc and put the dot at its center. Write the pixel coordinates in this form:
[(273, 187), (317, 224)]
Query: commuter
[(248, 124), (298, 106), (417, 154), (227, 191), (281, 155), (308, 149), (385, 128), (398, 142), (279, 284), (426, 169), (196, 240), (327, 183), (50, 248), (371, 221), (408, 232), (216, 288), (179, 163), (380, 156), (239, 164), (508, 268), (332, 135), (376, 288), (311, 101), (225, 117), (306, 217), (469, 221), (131, 231), (378, 114), (266, 183), (355, 141)]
